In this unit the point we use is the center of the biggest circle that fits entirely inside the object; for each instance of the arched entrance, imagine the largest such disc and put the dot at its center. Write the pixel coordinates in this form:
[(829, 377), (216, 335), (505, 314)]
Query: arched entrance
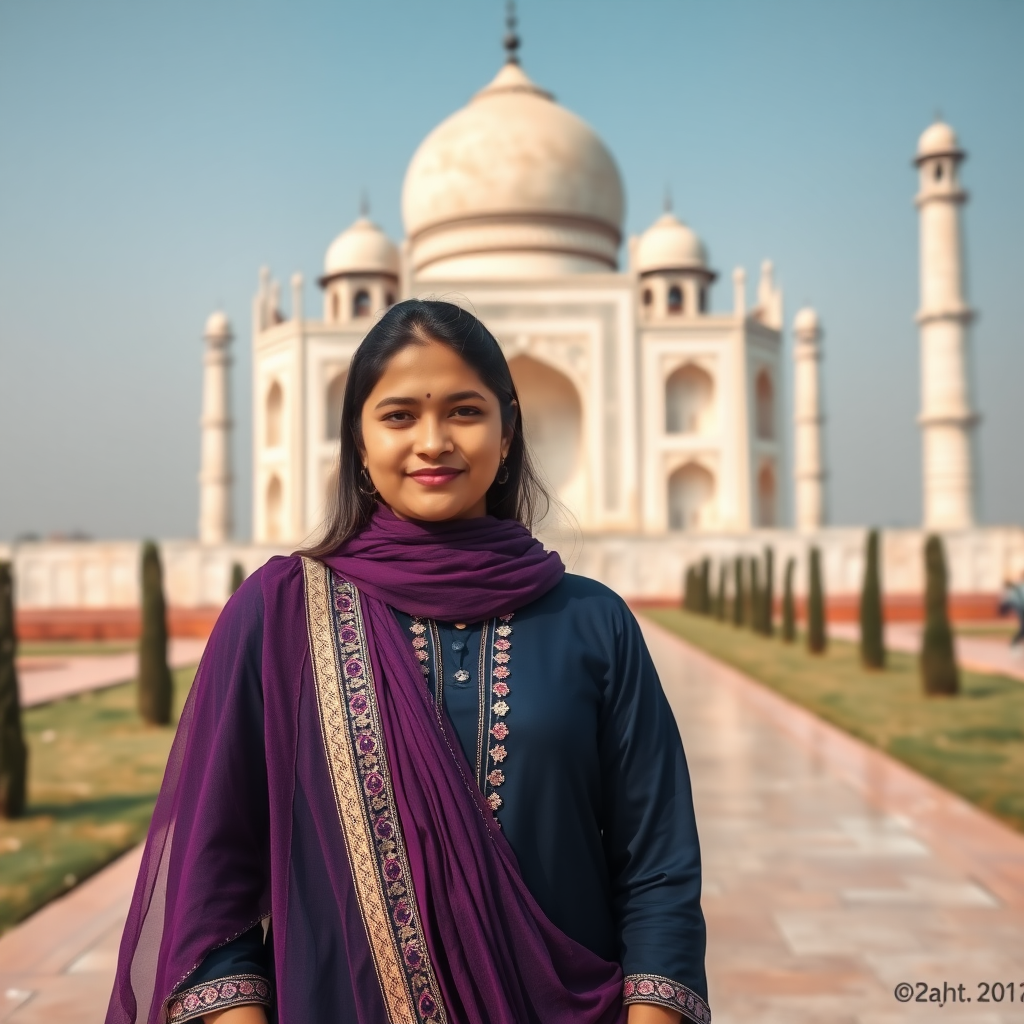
[(691, 494), (765, 397), (689, 396), (766, 496), (335, 400), (275, 509), (553, 422)]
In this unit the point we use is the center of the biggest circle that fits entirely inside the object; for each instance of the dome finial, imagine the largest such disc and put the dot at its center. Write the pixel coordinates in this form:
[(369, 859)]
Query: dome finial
[(668, 198), (364, 203), (511, 38)]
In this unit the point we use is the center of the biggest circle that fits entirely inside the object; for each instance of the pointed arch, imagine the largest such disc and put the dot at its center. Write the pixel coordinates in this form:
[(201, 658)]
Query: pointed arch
[(275, 509), (766, 496), (275, 416), (691, 495), (764, 396), (552, 422), (689, 401), (334, 403)]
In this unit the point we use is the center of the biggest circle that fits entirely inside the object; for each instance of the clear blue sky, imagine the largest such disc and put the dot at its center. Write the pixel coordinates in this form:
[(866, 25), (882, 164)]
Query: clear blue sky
[(155, 155)]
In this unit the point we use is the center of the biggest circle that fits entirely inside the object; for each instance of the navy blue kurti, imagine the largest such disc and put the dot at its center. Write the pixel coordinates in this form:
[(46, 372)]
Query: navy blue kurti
[(560, 711)]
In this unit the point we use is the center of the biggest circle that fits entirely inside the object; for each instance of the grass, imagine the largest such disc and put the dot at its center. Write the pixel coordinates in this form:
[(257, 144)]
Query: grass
[(94, 773), (74, 648), (972, 744)]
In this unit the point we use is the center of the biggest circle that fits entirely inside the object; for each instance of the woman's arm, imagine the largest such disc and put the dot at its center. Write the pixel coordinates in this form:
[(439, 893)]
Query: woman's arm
[(639, 1013), (251, 1015)]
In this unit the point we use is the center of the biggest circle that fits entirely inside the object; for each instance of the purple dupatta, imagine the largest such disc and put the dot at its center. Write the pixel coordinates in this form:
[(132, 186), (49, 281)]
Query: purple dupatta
[(444, 919)]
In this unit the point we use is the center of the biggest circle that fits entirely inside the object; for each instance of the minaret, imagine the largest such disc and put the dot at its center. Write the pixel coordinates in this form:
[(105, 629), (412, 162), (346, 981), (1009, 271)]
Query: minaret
[(947, 416), (215, 477), (809, 469)]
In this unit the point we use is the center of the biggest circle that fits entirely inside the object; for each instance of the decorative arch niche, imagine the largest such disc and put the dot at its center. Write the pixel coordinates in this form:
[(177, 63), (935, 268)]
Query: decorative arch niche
[(766, 497), (764, 393), (275, 509), (689, 401), (334, 404), (691, 495), (552, 421), (275, 415)]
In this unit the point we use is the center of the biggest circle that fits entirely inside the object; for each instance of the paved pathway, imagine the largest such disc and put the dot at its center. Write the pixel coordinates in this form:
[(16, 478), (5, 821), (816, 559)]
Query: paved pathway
[(42, 679), (983, 654), (832, 874)]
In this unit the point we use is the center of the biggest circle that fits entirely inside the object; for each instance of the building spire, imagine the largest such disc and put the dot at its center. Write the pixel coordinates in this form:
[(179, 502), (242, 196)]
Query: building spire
[(667, 203), (512, 40), (364, 204)]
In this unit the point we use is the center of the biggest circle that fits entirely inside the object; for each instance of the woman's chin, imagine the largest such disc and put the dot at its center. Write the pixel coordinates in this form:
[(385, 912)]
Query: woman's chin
[(438, 508)]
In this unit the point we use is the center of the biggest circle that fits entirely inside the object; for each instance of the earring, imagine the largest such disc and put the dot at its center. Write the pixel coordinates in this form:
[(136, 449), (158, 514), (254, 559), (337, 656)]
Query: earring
[(502, 477), (366, 479)]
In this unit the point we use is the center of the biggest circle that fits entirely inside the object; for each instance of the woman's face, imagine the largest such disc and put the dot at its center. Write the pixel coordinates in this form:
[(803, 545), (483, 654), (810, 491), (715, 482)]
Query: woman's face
[(432, 435)]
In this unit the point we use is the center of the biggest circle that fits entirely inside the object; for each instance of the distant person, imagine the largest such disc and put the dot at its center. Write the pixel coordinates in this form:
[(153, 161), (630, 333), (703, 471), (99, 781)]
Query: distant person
[(424, 774), (1013, 601)]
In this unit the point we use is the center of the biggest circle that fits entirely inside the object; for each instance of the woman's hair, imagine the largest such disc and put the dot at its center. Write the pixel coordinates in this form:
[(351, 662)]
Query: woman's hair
[(417, 322)]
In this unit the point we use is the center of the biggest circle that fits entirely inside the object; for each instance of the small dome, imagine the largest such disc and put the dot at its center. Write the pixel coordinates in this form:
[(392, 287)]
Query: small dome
[(937, 140), (668, 244), (361, 249), (806, 323), (512, 180), (218, 326)]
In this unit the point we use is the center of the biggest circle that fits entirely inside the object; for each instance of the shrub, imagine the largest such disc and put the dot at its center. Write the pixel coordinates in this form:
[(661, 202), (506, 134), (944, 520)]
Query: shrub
[(720, 601), (788, 608), (872, 624), (13, 751), (739, 599), (768, 594), (754, 599), (237, 576), (816, 639), (939, 673), (155, 685), (705, 586)]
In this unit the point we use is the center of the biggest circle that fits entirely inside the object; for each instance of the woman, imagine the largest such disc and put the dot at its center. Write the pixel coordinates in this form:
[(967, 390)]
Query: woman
[(424, 775)]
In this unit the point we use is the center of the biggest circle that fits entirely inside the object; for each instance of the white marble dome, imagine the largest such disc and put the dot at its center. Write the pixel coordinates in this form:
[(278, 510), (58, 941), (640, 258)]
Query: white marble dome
[(512, 185), (806, 323), (668, 244), (937, 140), (362, 248), (218, 326)]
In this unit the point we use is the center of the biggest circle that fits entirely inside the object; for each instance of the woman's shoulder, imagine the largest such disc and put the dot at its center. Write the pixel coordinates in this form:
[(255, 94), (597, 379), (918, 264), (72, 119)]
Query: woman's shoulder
[(582, 596)]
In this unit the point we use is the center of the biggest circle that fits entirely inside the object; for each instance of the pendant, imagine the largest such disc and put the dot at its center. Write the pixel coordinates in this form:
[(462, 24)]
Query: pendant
[(461, 675)]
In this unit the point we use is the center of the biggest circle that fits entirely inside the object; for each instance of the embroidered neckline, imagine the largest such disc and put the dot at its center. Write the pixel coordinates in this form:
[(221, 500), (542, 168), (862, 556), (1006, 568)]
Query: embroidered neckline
[(490, 716)]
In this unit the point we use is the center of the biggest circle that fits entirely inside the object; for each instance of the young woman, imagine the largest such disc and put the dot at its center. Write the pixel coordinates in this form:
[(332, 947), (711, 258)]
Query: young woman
[(424, 775)]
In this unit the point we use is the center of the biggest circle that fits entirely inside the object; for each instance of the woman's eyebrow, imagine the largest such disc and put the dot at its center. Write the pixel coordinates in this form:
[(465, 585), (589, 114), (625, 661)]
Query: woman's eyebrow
[(460, 396), (395, 401)]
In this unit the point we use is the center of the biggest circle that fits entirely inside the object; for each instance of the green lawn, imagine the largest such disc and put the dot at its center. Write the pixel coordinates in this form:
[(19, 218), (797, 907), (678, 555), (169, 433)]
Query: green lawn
[(94, 773), (69, 648), (972, 744)]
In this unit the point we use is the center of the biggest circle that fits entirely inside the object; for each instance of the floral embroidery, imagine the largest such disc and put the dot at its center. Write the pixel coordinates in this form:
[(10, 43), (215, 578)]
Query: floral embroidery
[(653, 988), (494, 801), (499, 731), (496, 778), (498, 753), (364, 732), (500, 708), (214, 996)]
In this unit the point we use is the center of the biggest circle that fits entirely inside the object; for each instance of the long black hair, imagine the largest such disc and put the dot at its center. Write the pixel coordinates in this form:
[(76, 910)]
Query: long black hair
[(520, 496)]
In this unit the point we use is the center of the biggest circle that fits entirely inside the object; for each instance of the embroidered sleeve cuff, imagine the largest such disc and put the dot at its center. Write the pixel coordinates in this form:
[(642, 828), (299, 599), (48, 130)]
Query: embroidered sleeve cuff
[(214, 996), (653, 988)]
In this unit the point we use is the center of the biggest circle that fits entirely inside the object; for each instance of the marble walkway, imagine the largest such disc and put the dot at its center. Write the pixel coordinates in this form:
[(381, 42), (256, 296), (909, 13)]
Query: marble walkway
[(832, 875), (42, 679)]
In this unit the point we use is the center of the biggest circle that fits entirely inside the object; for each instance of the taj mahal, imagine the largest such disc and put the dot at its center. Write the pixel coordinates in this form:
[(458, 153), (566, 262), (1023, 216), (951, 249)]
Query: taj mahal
[(662, 427)]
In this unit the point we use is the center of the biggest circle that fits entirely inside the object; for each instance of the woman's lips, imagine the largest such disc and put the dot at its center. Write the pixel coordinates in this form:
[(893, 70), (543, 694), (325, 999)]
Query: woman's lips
[(435, 476)]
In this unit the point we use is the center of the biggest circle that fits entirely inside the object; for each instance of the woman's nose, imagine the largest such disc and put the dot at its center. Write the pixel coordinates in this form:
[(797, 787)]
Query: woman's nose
[(434, 437)]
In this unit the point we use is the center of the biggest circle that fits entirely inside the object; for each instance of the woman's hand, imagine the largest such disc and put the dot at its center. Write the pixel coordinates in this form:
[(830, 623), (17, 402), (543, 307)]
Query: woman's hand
[(647, 1013), (238, 1015)]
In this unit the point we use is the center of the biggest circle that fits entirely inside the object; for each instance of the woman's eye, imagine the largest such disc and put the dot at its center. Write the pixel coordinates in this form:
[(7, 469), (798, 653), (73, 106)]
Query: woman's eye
[(398, 417), (467, 410)]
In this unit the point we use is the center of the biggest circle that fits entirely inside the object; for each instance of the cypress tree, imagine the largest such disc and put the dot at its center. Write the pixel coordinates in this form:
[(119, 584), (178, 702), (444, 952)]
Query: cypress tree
[(13, 751), (788, 609), (768, 594), (939, 672), (155, 685), (816, 639), (237, 576), (705, 586), (754, 606), (739, 599), (872, 625), (720, 607)]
